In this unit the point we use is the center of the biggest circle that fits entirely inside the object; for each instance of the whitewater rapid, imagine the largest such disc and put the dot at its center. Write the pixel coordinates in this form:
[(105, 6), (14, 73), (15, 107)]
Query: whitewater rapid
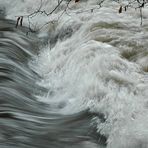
[(95, 61)]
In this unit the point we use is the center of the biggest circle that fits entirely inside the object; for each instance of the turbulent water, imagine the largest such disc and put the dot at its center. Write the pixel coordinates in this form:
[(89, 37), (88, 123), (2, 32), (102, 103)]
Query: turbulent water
[(79, 82)]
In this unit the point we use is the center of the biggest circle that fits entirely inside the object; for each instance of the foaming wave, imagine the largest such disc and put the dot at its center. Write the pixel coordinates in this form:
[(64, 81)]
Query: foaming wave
[(25, 121), (94, 70), (100, 67)]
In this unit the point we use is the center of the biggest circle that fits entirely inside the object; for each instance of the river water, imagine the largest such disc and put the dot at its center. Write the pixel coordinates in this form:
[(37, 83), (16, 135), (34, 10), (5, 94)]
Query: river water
[(81, 81)]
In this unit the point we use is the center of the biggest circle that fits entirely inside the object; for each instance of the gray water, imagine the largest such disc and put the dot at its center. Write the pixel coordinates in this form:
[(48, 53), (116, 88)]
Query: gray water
[(24, 121), (80, 81)]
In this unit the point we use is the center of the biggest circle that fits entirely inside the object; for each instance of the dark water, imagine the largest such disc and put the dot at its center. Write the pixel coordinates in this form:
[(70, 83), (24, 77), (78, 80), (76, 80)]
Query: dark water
[(24, 121)]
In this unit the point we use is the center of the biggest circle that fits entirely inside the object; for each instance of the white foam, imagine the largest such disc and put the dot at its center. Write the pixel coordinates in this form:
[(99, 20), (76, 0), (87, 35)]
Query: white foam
[(94, 69)]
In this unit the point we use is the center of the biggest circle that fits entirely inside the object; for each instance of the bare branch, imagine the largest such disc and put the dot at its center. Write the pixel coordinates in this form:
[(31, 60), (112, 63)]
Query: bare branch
[(40, 10)]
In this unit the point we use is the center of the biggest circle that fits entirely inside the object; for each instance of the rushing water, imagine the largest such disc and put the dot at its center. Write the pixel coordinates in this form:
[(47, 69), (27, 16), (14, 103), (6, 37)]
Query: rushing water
[(81, 82)]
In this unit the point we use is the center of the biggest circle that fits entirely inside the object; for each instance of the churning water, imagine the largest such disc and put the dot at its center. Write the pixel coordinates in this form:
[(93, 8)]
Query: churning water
[(80, 82)]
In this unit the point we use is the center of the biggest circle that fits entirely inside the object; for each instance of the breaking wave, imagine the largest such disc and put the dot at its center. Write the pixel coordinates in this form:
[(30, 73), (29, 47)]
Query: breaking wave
[(81, 81)]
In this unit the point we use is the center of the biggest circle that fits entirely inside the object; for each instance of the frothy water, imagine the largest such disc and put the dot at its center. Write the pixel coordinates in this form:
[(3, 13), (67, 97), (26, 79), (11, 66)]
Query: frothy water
[(82, 81)]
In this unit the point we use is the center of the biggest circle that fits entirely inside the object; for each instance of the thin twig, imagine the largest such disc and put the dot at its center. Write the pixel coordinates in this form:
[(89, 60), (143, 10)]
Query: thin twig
[(39, 10)]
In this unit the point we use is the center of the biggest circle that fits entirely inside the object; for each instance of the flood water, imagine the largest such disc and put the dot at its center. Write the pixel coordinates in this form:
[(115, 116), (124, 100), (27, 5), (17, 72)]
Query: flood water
[(79, 82)]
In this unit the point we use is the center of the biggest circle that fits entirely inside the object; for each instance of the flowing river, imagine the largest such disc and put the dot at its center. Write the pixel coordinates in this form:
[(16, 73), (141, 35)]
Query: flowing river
[(78, 78)]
